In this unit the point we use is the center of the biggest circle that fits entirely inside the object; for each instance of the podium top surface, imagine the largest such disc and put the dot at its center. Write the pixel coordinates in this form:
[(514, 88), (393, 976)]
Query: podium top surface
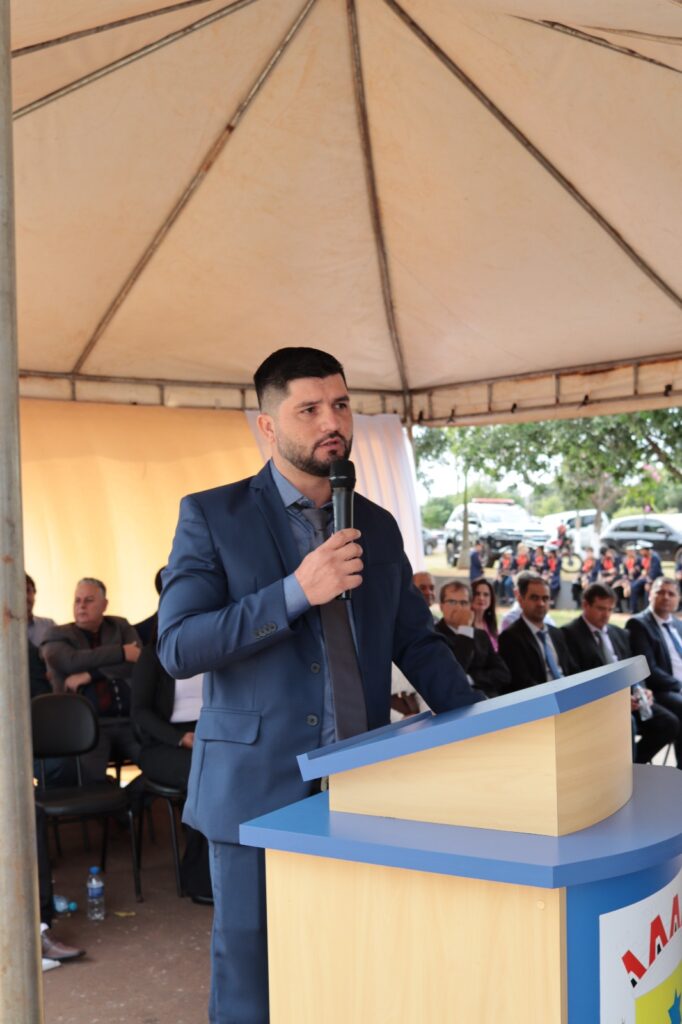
[(422, 732), (645, 832)]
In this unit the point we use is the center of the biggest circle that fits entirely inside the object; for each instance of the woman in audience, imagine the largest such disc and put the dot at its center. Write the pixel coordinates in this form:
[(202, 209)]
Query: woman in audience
[(165, 712), (483, 606)]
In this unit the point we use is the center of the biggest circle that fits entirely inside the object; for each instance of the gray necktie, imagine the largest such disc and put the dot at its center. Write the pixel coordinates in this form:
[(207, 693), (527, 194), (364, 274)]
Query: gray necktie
[(350, 710)]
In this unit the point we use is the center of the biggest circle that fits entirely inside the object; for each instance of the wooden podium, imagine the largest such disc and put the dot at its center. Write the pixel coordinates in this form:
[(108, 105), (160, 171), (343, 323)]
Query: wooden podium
[(484, 866)]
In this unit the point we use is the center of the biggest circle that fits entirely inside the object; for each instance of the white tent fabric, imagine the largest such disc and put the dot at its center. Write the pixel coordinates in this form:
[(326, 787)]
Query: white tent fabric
[(475, 206)]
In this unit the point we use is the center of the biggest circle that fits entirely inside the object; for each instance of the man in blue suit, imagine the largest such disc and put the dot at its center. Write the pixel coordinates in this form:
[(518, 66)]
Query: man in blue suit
[(246, 600), (657, 634)]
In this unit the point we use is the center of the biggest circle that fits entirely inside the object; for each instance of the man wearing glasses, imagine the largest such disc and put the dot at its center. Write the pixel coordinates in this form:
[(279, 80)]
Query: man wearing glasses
[(472, 648)]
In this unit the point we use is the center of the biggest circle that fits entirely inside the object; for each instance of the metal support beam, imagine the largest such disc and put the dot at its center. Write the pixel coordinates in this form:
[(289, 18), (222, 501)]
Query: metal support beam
[(21, 986)]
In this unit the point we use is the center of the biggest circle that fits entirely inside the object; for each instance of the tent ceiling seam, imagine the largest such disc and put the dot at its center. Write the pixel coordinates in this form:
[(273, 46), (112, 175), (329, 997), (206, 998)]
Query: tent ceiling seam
[(195, 182), (130, 58), (633, 33), (373, 197), (83, 33), (536, 153), (586, 37), (586, 369), (587, 407), (170, 382)]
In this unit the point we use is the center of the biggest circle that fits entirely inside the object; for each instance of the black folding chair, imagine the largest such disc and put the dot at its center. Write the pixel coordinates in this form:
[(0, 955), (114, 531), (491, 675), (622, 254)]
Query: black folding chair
[(65, 725), (174, 798)]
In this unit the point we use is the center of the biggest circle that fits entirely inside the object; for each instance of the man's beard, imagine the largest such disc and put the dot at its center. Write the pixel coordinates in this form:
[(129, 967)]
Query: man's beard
[(307, 461)]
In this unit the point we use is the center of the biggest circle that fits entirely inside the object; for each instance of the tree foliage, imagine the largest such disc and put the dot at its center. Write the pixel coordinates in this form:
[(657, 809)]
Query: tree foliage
[(594, 460)]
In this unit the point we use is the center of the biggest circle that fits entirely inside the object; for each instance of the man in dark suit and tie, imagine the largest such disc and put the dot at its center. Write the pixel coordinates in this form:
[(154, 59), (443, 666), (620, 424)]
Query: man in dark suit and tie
[(534, 652), (592, 642), (657, 634), (249, 599), (472, 647)]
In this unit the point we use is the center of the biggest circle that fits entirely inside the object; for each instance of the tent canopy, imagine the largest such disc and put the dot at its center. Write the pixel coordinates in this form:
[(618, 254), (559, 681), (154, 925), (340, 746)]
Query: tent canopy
[(476, 206)]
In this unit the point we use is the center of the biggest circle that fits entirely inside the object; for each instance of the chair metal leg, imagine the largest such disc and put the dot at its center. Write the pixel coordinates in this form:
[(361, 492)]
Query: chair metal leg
[(105, 840), (140, 835), (150, 823), (176, 849), (57, 838), (135, 858)]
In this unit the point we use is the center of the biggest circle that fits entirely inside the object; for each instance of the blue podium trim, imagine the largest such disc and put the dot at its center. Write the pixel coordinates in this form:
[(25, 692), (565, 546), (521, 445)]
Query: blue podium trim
[(422, 732), (645, 832)]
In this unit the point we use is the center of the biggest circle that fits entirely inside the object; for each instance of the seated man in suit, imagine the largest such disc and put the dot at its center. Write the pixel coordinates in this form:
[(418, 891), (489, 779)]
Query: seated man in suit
[(94, 656), (534, 652), (425, 584), (472, 647), (593, 641), (657, 634)]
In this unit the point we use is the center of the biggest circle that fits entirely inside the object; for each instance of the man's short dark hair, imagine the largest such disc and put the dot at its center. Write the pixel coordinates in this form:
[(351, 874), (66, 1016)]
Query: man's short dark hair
[(524, 580), (94, 583), (454, 585), (598, 592), (29, 581), (286, 364)]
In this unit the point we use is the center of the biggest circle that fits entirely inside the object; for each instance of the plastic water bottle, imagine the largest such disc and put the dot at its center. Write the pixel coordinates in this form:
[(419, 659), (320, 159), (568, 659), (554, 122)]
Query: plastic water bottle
[(644, 709), (95, 888)]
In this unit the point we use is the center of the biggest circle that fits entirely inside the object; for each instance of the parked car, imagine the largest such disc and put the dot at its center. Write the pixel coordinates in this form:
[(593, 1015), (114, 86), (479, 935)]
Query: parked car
[(498, 522), (664, 532), (586, 536), (535, 533), (429, 540)]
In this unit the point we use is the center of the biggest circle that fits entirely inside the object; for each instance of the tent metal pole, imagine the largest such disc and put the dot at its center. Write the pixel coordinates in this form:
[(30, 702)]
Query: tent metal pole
[(21, 988)]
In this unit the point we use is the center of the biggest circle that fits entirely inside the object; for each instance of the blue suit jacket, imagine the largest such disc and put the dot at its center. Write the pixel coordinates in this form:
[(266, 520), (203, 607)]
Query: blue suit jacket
[(647, 639), (222, 612)]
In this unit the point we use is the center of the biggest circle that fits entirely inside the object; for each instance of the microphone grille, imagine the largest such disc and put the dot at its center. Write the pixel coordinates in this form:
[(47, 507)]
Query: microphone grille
[(342, 474)]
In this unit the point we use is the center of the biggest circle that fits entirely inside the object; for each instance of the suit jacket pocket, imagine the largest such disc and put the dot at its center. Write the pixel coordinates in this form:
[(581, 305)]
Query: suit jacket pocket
[(228, 725)]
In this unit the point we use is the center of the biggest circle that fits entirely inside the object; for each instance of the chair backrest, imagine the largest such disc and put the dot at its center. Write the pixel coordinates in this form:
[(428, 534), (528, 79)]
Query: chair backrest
[(64, 725)]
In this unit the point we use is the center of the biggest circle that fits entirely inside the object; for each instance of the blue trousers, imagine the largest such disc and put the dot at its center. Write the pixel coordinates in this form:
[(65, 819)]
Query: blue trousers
[(239, 951)]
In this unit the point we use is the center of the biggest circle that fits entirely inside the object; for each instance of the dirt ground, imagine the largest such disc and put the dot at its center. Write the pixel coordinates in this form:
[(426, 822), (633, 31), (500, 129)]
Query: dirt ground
[(146, 963)]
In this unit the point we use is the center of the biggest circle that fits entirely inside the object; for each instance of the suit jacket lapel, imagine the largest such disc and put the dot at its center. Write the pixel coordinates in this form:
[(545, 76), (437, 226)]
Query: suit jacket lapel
[(658, 632), (532, 645), (588, 639), (358, 595), (269, 502)]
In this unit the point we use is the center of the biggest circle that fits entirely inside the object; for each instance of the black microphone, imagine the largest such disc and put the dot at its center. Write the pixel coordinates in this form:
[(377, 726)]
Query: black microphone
[(342, 479)]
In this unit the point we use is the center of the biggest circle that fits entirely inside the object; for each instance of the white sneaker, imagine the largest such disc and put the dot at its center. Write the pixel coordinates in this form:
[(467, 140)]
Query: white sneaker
[(49, 964)]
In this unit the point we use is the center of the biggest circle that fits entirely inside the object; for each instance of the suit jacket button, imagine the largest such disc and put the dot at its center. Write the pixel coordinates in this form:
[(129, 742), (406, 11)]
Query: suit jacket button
[(312, 720), (271, 627), (315, 667)]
